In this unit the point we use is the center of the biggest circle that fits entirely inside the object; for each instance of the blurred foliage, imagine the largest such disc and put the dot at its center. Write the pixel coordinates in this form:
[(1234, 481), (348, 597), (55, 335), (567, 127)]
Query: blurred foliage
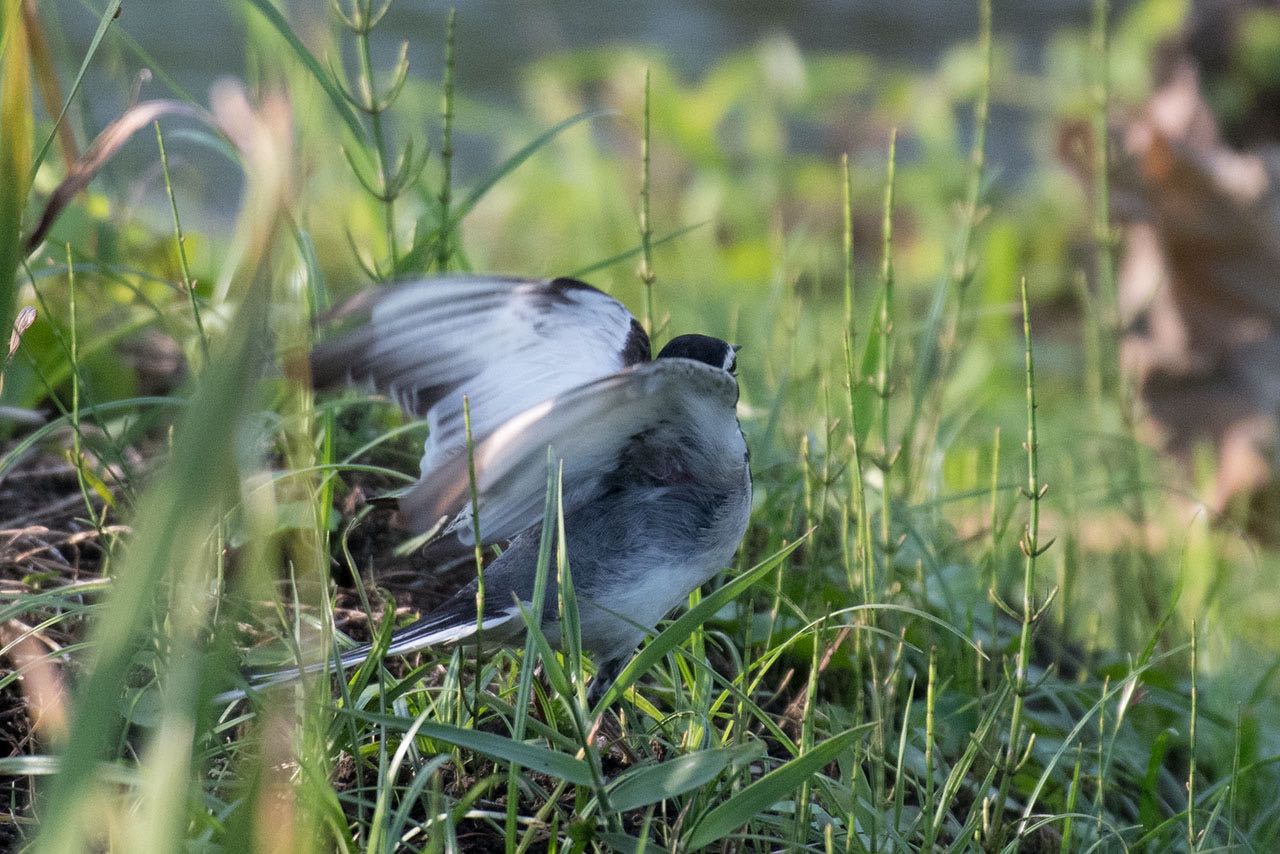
[(15, 150)]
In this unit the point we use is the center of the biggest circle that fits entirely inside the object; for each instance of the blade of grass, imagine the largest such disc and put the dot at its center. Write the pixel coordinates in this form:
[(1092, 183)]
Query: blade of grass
[(180, 243), (1123, 687), (477, 542), (527, 663), (746, 805), (380, 822), (47, 82), (109, 14), (16, 130), (499, 747), (647, 275), (651, 784), (1191, 746)]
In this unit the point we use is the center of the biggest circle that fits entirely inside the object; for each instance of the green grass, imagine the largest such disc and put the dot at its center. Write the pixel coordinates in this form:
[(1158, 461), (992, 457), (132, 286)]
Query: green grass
[(934, 637)]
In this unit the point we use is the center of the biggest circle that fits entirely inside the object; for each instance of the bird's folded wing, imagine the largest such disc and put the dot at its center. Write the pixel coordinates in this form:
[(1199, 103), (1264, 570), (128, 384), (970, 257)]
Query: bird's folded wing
[(587, 428), (506, 344)]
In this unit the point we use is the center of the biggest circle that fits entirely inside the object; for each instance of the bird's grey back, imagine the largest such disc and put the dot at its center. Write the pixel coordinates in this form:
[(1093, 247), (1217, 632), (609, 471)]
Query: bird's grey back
[(666, 519)]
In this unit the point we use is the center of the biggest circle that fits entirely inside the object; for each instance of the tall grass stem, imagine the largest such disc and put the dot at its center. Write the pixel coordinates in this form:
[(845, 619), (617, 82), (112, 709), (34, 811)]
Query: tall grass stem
[(180, 242)]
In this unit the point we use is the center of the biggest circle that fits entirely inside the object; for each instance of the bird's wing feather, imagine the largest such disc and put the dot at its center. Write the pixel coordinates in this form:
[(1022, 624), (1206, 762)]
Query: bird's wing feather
[(587, 428), (506, 344), (433, 630)]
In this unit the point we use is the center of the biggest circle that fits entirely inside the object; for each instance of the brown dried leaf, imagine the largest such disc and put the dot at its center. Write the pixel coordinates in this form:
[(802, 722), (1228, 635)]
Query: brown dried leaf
[(21, 324), (112, 138), (1198, 288)]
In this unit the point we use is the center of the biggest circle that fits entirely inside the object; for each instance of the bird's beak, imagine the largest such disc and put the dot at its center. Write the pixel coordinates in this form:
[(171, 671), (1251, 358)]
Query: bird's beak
[(736, 347)]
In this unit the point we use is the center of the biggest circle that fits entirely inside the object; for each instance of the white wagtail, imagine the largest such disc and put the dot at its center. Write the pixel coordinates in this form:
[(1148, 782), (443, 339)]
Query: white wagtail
[(656, 482)]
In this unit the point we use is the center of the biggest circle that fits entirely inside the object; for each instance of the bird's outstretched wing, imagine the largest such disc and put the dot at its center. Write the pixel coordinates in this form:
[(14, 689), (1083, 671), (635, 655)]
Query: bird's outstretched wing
[(587, 428), (506, 344)]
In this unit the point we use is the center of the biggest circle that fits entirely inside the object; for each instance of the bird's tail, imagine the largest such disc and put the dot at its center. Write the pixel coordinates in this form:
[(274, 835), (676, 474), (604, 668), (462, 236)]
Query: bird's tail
[(441, 629)]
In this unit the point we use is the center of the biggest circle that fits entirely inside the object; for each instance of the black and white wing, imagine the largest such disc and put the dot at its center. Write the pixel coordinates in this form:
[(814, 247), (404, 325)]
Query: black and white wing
[(505, 343), (587, 428)]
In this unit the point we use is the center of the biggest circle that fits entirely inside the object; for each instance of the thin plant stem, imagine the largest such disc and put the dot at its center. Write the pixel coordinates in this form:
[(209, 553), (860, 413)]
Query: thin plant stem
[(930, 701), (1073, 797), (1233, 789), (374, 108), (846, 187), (1100, 792), (188, 284), (993, 515), (479, 548), (647, 275), (862, 538), (571, 641), (1031, 538), (1191, 744), (861, 571), (1102, 233), (524, 685), (806, 483), (1016, 754), (443, 247), (807, 734), (865, 560), (77, 449), (884, 366)]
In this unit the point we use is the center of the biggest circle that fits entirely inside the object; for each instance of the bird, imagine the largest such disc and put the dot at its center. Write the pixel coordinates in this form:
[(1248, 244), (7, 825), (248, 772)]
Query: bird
[(654, 466)]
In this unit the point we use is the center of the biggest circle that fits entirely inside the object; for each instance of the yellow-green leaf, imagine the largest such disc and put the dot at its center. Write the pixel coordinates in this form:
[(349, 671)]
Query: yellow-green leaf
[(16, 128)]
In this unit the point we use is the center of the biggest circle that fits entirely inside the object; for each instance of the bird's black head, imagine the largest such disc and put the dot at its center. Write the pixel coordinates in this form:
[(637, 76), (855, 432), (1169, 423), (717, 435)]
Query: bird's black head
[(703, 348)]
